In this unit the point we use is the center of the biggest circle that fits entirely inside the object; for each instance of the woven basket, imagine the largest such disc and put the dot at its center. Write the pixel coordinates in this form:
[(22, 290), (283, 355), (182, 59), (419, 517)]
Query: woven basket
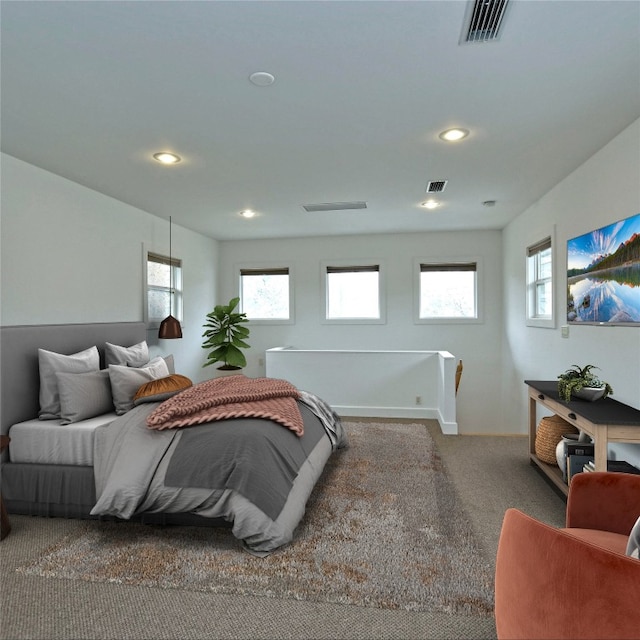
[(549, 433)]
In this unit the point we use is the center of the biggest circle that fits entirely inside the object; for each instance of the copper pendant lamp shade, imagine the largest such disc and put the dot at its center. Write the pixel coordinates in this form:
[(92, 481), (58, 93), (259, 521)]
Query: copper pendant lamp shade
[(170, 327)]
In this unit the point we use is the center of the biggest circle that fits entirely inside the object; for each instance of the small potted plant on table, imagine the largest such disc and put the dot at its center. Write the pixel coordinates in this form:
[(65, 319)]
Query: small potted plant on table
[(581, 383)]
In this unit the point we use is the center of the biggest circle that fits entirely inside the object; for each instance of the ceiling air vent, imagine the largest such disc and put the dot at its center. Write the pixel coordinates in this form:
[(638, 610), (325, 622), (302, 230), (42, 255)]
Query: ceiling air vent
[(483, 20), (436, 186), (334, 206)]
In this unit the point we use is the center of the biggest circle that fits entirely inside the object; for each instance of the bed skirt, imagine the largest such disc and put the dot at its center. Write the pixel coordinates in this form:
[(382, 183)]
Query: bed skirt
[(48, 490), (66, 491)]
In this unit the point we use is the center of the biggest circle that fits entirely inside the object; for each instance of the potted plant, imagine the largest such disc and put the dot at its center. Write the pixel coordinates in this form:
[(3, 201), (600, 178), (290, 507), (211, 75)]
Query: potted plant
[(225, 335), (582, 383)]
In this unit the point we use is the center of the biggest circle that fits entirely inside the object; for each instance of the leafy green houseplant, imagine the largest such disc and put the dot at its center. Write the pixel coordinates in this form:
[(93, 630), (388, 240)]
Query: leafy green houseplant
[(576, 379), (225, 336)]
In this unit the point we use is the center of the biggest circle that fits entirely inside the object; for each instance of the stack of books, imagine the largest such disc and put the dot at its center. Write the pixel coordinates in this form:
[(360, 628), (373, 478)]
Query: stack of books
[(580, 458), (613, 465), (578, 455)]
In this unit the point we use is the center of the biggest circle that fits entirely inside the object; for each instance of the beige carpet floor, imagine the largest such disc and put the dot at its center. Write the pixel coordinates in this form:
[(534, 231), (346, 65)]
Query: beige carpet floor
[(384, 528), (37, 607)]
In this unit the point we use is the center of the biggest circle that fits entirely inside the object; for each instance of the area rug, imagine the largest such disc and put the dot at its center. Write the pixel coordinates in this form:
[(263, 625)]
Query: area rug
[(384, 528)]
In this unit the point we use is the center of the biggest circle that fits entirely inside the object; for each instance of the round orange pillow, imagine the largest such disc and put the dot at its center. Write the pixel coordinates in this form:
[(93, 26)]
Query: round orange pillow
[(161, 389)]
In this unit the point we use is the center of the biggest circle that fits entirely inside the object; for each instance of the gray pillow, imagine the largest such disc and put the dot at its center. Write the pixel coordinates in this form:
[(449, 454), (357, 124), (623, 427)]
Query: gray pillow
[(84, 395), (50, 363), (125, 381), (135, 356), (633, 546), (168, 359)]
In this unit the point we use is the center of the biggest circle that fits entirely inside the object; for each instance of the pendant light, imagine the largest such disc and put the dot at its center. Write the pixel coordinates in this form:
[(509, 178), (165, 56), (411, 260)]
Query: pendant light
[(170, 327)]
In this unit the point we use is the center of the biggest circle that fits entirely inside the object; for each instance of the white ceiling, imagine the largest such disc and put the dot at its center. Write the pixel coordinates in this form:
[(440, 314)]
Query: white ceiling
[(90, 90)]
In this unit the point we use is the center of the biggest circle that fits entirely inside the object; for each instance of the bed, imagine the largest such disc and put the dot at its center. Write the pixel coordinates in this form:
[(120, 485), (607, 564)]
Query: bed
[(176, 454)]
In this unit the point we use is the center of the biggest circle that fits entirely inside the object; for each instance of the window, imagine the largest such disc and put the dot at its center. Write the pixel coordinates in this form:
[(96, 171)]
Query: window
[(353, 293), (540, 284), (265, 293), (161, 273), (448, 291)]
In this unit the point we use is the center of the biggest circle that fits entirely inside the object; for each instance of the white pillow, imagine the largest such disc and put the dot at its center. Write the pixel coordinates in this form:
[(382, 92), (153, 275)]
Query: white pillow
[(170, 365), (125, 381), (50, 363), (135, 356), (633, 546)]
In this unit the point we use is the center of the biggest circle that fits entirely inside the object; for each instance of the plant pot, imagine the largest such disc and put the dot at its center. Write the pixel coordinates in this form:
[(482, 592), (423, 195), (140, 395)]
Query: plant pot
[(590, 393), (222, 372)]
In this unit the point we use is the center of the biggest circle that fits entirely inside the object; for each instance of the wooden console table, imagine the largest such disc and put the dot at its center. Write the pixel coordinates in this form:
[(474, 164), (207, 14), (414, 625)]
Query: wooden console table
[(604, 420)]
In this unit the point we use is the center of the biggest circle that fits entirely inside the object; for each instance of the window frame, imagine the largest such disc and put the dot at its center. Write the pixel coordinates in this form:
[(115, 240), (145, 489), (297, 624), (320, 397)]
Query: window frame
[(359, 264), (449, 261), (177, 292), (267, 267), (532, 250)]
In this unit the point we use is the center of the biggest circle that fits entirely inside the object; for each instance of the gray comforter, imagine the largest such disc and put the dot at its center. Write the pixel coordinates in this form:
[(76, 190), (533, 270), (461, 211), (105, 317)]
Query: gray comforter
[(254, 473)]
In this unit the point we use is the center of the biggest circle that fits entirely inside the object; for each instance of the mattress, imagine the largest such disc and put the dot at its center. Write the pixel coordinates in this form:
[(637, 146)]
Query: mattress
[(50, 442)]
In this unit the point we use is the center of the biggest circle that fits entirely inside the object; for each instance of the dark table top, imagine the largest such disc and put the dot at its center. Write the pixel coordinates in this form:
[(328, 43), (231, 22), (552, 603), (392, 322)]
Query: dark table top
[(604, 411)]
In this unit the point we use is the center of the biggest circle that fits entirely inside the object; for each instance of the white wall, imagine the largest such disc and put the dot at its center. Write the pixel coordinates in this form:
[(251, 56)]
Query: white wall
[(374, 383), (478, 345), (72, 255), (603, 190)]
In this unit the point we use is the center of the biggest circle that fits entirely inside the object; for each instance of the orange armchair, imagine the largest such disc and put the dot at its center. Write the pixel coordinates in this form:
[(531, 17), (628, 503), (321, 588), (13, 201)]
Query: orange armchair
[(574, 582)]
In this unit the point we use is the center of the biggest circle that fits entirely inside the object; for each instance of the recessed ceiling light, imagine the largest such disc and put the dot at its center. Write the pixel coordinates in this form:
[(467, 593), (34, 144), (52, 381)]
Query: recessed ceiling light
[(262, 78), (452, 135), (430, 204), (248, 213), (165, 157)]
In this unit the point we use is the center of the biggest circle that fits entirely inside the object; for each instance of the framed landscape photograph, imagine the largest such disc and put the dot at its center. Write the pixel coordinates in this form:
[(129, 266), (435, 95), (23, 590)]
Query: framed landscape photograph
[(603, 275)]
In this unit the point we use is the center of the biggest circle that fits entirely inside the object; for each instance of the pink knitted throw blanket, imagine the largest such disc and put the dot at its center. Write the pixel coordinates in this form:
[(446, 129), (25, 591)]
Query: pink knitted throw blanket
[(231, 397)]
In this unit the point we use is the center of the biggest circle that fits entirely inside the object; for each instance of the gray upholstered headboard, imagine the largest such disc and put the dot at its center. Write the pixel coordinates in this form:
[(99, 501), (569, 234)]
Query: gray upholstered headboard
[(19, 374)]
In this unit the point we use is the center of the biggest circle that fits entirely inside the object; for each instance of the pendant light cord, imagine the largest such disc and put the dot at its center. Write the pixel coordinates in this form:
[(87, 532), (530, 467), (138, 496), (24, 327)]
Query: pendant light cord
[(170, 272), (170, 326)]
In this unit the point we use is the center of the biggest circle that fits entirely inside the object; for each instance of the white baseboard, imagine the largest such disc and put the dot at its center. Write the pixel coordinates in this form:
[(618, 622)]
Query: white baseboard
[(417, 413)]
